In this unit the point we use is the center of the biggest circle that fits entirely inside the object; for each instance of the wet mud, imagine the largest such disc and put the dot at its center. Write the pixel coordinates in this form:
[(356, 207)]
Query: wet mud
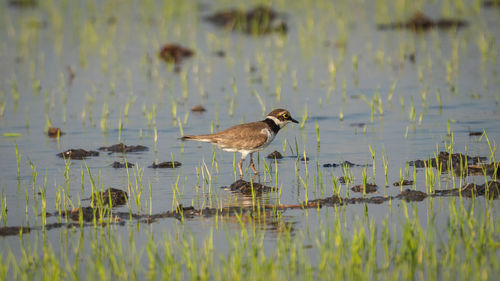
[(412, 195), (23, 3), (166, 164), (491, 4), (420, 22), (113, 196), (122, 148), (491, 191), (258, 21), (118, 165), (249, 188), (403, 182), (198, 108), (54, 132), (460, 163), (78, 154), (345, 163), (274, 155), (174, 53), (365, 188)]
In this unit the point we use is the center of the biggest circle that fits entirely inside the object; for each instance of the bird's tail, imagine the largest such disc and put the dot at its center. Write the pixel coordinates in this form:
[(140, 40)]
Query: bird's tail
[(204, 138)]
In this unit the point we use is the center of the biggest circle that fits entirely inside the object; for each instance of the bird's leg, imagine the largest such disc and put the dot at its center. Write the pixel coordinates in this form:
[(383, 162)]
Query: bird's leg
[(240, 164), (251, 164)]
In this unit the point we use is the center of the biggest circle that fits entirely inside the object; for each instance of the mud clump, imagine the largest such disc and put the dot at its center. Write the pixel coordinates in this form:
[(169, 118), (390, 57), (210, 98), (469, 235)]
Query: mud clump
[(167, 164), (78, 154), (23, 3), (13, 230), (274, 155), (173, 53), (111, 195), (118, 165), (342, 164), (258, 21), (475, 134), (490, 169), (198, 108), (420, 22), (54, 132), (459, 163), (246, 187), (367, 188), (412, 195), (120, 147), (403, 182), (491, 3)]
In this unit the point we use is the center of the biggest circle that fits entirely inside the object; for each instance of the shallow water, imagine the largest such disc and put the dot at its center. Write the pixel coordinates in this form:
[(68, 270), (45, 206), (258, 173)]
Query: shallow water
[(112, 49)]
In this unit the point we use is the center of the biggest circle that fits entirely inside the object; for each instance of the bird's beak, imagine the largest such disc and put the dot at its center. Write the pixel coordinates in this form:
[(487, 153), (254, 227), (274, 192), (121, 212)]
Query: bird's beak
[(293, 120)]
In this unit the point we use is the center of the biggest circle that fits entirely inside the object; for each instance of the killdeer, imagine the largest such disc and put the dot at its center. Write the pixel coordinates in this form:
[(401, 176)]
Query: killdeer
[(249, 137)]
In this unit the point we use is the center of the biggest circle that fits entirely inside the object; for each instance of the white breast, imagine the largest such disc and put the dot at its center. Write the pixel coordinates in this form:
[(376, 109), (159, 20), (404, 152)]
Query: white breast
[(270, 137)]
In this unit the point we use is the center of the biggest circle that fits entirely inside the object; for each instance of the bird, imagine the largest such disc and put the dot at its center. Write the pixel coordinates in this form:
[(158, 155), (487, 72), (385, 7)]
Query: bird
[(247, 138)]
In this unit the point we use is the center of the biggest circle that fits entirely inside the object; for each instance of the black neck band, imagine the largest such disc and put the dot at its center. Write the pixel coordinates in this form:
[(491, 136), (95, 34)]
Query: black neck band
[(274, 127)]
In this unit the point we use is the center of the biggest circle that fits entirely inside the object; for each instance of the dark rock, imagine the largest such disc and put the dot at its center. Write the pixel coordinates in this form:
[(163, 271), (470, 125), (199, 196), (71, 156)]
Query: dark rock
[(475, 133), (118, 165), (120, 147), (78, 154), (275, 155), (368, 188), (412, 195), (332, 165), (167, 164)]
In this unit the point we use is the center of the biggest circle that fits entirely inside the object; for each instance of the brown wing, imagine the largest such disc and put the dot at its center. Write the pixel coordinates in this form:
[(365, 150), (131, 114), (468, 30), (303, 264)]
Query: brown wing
[(247, 136)]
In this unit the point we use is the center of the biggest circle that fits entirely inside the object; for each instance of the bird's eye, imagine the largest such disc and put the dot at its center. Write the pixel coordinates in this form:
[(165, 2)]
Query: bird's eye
[(285, 115)]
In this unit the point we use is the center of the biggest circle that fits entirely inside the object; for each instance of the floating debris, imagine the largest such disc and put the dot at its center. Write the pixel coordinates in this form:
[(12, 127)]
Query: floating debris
[(258, 21), (366, 188), (403, 182), (116, 196), (198, 108), (78, 154), (275, 155), (54, 132), (248, 188), (118, 165), (420, 22), (167, 164), (173, 53), (120, 147)]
